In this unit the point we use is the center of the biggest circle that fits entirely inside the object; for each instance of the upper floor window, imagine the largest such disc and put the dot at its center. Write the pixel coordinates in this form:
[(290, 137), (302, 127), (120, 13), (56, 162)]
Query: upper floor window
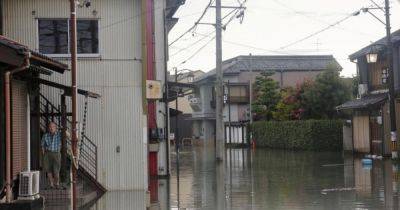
[(54, 36)]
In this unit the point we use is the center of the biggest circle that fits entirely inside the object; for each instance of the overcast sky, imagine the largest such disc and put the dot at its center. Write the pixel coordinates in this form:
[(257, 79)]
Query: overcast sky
[(269, 25)]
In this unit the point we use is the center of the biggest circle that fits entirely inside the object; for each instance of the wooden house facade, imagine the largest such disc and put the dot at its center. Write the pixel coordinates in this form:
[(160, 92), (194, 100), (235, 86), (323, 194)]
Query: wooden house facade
[(370, 116)]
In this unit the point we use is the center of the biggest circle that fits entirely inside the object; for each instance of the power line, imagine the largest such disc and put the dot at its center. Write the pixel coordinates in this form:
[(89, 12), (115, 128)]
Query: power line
[(197, 51), (138, 15), (317, 32), (249, 46), (322, 30), (195, 24), (316, 19), (208, 35), (192, 44)]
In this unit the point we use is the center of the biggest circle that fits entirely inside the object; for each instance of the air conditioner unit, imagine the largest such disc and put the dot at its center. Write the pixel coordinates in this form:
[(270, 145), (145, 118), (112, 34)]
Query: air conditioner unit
[(194, 100), (29, 185), (362, 89)]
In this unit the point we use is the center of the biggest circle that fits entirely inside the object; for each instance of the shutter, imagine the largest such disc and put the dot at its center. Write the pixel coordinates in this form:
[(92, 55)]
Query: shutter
[(18, 126)]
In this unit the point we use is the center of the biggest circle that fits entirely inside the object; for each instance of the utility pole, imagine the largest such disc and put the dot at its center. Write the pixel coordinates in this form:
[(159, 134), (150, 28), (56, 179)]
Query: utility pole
[(177, 143), (74, 141), (392, 97), (219, 128), (251, 102), (229, 112)]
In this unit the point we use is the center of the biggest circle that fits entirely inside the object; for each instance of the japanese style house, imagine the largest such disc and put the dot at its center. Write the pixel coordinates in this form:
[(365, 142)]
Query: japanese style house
[(24, 116), (370, 117)]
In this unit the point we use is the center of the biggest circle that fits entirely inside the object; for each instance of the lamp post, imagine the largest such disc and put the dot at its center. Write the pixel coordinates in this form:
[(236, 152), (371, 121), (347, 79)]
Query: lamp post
[(372, 57)]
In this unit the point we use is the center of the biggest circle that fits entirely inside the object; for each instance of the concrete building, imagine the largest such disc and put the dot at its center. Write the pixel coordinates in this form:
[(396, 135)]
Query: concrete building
[(116, 55), (238, 72)]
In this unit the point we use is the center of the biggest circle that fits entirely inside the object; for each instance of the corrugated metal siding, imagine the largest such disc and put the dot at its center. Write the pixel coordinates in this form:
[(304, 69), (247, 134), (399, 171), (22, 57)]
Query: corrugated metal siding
[(18, 129), (361, 135), (122, 200), (117, 118)]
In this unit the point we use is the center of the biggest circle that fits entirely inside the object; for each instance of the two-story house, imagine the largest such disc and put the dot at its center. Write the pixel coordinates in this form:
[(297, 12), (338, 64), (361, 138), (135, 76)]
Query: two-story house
[(238, 72), (121, 44), (370, 111)]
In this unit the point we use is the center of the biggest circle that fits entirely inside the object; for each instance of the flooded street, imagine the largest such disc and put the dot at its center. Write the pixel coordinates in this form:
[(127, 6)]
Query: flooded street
[(267, 179)]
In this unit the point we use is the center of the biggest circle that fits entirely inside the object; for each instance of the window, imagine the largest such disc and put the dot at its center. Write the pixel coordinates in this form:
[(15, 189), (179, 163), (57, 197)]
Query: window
[(54, 36), (239, 94), (88, 41), (190, 79)]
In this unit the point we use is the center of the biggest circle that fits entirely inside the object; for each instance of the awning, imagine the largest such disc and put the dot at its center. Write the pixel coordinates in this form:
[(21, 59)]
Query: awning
[(364, 102), (67, 89), (14, 54)]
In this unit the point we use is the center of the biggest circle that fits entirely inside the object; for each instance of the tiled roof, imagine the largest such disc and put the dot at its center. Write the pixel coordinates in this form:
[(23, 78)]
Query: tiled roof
[(364, 102), (380, 44), (274, 63), (46, 61)]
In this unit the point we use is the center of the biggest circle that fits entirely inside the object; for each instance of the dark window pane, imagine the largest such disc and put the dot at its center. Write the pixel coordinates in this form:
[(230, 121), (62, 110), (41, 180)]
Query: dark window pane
[(53, 36), (88, 42)]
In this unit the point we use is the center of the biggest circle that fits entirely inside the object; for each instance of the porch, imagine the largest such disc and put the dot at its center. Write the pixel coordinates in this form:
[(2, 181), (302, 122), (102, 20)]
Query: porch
[(25, 115), (369, 130)]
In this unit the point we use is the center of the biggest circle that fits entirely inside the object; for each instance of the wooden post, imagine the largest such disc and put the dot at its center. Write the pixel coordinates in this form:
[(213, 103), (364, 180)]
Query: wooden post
[(63, 125)]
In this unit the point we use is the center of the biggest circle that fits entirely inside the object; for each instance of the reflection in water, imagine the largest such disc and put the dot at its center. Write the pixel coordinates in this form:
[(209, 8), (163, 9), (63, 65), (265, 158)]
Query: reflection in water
[(268, 179), (277, 179)]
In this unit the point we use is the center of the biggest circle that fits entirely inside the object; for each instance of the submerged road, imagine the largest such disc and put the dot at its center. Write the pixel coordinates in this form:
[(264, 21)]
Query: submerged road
[(268, 179)]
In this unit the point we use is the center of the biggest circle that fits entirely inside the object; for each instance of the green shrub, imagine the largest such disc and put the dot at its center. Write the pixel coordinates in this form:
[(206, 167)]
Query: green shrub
[(316, 135)]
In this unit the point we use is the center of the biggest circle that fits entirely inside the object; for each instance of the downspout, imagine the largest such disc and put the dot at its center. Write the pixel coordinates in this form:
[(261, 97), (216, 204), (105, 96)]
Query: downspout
[(166, 132), (7, 97)]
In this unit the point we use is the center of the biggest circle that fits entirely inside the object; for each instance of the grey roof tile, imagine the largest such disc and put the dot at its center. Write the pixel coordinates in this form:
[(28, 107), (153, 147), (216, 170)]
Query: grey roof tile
[(274, 63)]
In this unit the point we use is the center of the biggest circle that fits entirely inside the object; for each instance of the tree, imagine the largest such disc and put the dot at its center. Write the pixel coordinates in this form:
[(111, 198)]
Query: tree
[(289, 107), (328, 91), (267, 96)]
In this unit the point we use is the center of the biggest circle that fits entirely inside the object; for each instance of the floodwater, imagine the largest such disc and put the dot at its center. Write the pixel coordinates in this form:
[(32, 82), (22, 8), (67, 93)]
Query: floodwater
[(267, 179)]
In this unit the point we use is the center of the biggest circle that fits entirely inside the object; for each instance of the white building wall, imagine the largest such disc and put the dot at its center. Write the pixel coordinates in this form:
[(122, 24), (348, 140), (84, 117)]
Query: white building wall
[(117, 118), (160, 75)]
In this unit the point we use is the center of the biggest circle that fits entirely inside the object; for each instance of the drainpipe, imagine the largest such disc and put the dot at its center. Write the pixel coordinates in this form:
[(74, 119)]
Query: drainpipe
[(166, 132), (7, 97), (28, 133)]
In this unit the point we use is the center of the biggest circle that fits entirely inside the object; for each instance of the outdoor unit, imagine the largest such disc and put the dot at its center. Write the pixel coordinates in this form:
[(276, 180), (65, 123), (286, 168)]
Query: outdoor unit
[(29, 185), (362, 89), (194, 100)]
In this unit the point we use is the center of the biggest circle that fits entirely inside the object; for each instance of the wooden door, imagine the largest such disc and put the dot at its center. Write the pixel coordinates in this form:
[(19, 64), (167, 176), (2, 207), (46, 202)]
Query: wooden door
[(376, 133)]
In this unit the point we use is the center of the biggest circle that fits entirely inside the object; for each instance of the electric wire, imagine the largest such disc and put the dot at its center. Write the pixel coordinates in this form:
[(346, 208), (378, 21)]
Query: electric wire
[(320, 31), (209, 41), (138, 15), (197, 51), (209, 34), (316, 19), (317, 32), (195, 24)]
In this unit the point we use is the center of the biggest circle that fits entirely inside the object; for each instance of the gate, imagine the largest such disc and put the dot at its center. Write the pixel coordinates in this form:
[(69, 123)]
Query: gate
[(236, 134)]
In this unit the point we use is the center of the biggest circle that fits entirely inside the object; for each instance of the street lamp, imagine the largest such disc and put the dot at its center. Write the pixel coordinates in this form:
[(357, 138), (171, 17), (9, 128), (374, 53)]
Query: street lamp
[(389, 52), (372, 57)]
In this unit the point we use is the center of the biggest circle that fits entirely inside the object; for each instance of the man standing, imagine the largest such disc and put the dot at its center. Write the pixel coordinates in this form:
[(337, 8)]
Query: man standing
[(51, 146)]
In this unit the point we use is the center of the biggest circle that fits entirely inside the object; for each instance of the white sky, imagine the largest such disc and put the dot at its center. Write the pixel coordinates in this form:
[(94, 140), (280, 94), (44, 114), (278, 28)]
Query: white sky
[(270, 24)]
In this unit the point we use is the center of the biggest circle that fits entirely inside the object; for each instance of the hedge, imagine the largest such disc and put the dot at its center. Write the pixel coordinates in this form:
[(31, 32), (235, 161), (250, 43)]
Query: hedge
[(315, 135)]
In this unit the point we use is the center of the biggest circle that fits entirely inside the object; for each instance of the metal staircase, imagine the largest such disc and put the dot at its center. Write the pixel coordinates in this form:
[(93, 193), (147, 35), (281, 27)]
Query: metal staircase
[(87, 171)]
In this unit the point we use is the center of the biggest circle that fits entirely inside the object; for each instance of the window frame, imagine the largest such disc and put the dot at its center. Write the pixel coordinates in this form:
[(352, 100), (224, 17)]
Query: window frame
[(68, 55)]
